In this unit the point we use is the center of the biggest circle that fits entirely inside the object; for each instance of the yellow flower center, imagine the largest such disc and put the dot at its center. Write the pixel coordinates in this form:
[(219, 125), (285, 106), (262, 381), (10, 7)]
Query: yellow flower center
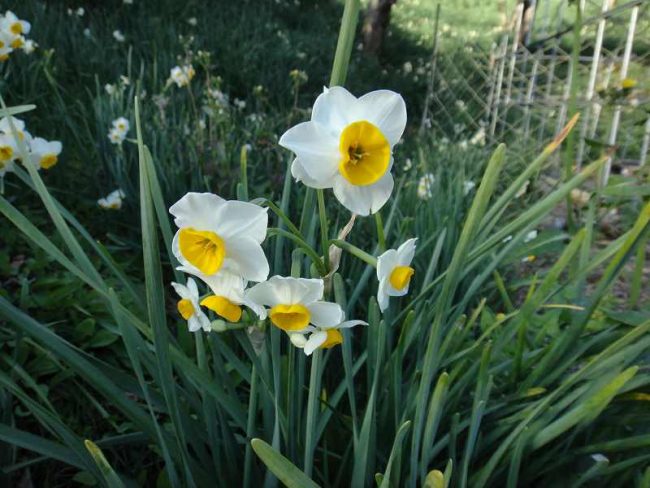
[(17, 43), (4, 57), (401, 276), (290, 317), (334, 338), (223, 307), (185, 308), (365, 153), (48, 160), (204, 249), (6, 152), (16, 28)]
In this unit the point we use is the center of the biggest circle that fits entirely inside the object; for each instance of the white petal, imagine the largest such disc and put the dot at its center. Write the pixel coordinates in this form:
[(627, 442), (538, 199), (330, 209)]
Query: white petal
[(193, 289), (364, 200), (286, 290), (193, 323), (316, 147), (325, 314), (386, 263), (382, 296), (242, 219), (299, 173), (315, 341), (182, 290), (197, 210), (246, 258), (387, 110), (298, 339), (406, 252), (346, 325), (334, 108), (206, 325), (223, 284)]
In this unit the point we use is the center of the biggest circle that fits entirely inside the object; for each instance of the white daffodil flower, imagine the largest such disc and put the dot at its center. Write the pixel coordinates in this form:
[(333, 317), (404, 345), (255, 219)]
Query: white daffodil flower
[(116, 136), (122, 124), (5, 46), (118, 36), (181, 75), (19, 125), (425, 186), (44, 154), (29, 47), (113, 201), (394, 272), (14, 26), (347, 146), (313, 338), (189, 308), (228, 294), (217, 235), (8, 153), (295, 303)]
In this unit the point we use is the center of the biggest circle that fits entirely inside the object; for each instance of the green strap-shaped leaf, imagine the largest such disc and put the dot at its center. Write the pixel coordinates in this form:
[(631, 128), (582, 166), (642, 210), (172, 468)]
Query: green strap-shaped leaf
[(281, 467)]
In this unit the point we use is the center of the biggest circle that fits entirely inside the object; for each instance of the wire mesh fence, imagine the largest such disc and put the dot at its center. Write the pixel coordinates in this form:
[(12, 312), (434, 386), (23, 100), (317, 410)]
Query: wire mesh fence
[(519, 87)]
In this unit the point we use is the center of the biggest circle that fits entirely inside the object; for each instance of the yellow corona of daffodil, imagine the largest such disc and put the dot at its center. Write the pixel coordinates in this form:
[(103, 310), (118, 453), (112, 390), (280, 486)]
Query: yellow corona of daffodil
[(216, 235), (394, 272), (295, 303), (228, 295), (348, 145), (189, 308)]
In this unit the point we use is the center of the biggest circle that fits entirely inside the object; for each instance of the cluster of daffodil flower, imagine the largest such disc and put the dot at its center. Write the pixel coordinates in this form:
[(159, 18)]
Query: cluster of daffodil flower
[(112, 201), (41, 154), (12, 35), (181, 75), (118, 131), (347, 146)]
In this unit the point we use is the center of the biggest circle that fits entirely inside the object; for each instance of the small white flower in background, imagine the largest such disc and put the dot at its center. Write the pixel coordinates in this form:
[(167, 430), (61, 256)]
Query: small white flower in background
[(189, 308), (118, 36), (110, 88), (217, 236), (408, 164), (408, 67), (240, 104), (478, 139), (580, 197), (468, 186), (113, 201), (347, 146), (80, 12), (181, 75), (313, 338), (124, 80), (29, 47), (19, 125), (119, 130), (394, 272), (529, 259), (522, 191), (425, 186), (532, 235), (44, 154), (192, 21), (14, 26), (122, 124), (463, 145), (115, 136), (295, 303), (87, 32)]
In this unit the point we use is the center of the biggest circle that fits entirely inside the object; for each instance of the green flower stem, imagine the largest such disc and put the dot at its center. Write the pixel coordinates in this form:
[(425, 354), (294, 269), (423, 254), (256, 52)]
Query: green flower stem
[(381, 237), (323, 229), (355, 251), (345, 42), (312, 411)]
